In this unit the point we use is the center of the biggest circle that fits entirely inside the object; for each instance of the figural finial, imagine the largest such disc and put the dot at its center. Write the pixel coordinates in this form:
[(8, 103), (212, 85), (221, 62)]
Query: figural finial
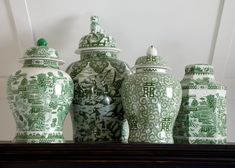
[(95, 25), (152, 51)]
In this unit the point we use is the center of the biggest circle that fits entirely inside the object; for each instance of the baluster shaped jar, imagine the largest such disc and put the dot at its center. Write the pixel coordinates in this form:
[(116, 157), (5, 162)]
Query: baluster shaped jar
[(202, 116), (151, 99), (40, 95), (98, 114)]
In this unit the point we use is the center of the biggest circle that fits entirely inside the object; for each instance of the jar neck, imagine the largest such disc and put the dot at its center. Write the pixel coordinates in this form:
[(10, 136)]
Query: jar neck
[(39, 63), (101, 54), (150, 69)]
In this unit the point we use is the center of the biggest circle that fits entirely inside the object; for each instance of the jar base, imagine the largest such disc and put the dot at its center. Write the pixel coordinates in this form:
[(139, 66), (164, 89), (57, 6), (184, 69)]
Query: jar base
[(39, 137), (200, 140)]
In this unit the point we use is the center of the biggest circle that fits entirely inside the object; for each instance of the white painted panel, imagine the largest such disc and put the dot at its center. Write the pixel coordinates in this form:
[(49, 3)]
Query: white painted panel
[(181, 29), (230, 88), (68, 130), (7, 122), (223, 52), (9, 54), (230, 68), (3, 88), (22, 24), (9, 51)]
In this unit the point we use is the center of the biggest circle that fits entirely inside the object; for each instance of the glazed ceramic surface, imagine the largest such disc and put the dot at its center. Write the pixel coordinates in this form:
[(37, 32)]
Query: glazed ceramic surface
[(151, 99), (98, 115), (40, 96), (202, 116)]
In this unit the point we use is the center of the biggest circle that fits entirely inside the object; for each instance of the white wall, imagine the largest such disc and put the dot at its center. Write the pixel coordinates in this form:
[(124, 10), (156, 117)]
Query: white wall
[(9, 53), (184, 31)]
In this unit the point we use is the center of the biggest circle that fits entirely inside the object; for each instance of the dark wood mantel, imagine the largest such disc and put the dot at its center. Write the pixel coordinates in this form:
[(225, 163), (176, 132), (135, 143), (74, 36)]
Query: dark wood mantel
[(115, 155)]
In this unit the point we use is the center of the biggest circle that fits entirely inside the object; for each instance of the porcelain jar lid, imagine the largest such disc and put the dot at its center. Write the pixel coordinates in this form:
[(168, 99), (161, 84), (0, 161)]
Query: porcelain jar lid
[(97, 40), (41, 51), (199, 69), (152, 59)]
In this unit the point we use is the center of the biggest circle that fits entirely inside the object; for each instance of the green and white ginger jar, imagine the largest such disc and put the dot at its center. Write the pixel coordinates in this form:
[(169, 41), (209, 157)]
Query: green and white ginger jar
[(151, 99), (40, 95), (202, 116), (98, 114)]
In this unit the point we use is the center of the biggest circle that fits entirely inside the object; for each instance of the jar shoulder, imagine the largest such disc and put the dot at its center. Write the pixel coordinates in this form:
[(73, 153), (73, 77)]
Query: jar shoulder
[(98, 65), (201, 83), (28, 72), (152, 76)]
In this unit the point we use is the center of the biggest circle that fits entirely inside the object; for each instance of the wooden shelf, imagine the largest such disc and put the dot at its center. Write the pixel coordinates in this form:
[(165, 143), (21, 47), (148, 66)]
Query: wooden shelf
[(115, 155)]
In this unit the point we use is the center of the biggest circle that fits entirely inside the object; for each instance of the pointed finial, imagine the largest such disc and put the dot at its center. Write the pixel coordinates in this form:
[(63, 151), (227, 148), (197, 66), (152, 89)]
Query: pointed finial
[(95, 25), (41, 42), (152, 51)]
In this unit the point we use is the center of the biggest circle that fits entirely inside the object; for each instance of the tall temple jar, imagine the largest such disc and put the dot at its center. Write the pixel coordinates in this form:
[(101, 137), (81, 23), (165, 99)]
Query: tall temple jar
[(98, 114), (202, 116), (151, 99), (40, 96)]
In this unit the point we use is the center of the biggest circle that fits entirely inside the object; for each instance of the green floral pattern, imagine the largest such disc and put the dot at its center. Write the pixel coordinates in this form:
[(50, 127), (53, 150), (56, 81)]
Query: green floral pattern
[(201, 83), (40, 102), (199, 69), (202, 116), (151, 101), (42, 52)]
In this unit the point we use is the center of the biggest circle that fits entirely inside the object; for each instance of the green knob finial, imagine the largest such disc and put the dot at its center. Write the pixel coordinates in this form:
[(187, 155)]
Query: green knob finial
[(41, 42)]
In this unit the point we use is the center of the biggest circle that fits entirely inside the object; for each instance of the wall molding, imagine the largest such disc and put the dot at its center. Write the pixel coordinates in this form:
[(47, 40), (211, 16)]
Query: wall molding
[(224, 39), (21, 19), (216, 30)]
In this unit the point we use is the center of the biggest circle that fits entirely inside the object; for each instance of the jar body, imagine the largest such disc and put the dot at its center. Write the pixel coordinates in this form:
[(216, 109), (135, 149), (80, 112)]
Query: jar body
[(202, 116), (97, 114), (151, 101), (39, 98)]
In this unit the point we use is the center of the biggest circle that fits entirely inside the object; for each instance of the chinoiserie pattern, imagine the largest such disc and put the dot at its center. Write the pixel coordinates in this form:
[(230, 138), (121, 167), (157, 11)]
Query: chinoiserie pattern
[(40, 96), (98, 115), (151, 99), (202, 116)]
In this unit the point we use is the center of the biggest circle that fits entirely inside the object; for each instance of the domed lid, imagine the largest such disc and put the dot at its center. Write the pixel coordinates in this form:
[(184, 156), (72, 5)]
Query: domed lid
[(199, 69), (151, 59), (41, 51), (96, 39)]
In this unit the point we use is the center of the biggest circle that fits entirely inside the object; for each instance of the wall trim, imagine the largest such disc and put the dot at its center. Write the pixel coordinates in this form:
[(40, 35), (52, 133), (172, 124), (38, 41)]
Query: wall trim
[(224, 40), (216, 30), (21, 19)]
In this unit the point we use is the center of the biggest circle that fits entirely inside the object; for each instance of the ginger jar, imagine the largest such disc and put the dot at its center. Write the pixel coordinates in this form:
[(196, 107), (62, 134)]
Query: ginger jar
[(40, 95), (151, 99), (98, 114), (202, 115)]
